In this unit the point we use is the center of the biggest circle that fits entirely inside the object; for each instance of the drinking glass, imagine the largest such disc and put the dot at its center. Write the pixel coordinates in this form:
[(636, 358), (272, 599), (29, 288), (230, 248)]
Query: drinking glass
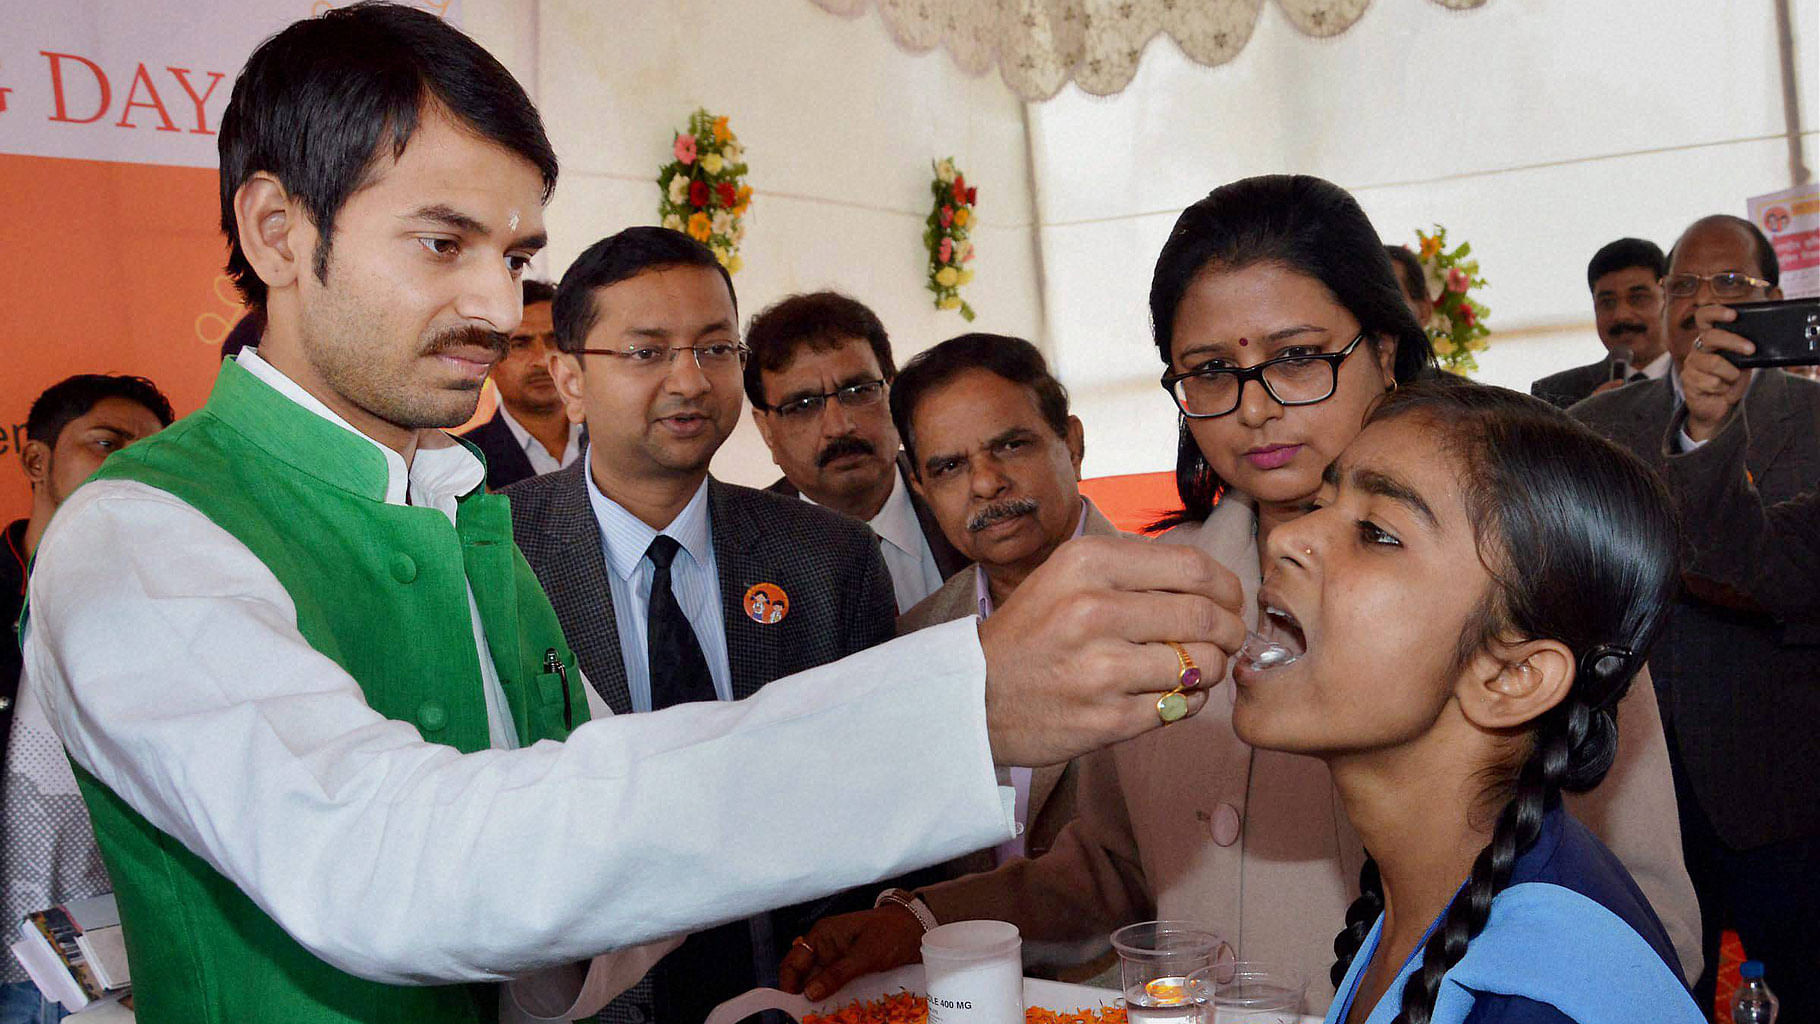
[(1156, 961), (1247, 992)]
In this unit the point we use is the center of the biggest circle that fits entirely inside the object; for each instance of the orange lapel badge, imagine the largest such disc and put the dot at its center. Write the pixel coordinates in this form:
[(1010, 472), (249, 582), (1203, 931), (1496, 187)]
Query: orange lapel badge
[(766, 603)]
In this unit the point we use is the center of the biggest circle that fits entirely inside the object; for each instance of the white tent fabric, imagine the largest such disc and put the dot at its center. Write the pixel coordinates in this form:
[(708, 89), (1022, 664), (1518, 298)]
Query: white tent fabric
[(1042, 45)]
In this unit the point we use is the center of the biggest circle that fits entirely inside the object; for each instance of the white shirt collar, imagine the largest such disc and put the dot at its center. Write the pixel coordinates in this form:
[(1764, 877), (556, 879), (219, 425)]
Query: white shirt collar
[(689, 528), (437, 472), (896, 522), (983, 590), (1658, 367), (523, 436)]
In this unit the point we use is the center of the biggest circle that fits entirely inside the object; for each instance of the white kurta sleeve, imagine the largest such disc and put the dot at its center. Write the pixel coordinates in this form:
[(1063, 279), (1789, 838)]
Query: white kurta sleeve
[(169, 661)]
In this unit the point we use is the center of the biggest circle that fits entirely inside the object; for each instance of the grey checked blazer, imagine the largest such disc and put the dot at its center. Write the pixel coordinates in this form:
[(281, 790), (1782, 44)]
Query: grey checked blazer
[(841, 602), (1739, 686)]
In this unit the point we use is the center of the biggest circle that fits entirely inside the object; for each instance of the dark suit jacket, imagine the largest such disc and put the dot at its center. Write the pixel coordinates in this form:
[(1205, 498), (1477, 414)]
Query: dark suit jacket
[(506, 461), (1569, 386), (948, 561), (1739, 687), (841, 602)]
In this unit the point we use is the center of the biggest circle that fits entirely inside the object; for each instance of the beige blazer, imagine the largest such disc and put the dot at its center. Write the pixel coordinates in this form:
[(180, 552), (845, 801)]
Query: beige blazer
[(1052, 789), (1189, 823)]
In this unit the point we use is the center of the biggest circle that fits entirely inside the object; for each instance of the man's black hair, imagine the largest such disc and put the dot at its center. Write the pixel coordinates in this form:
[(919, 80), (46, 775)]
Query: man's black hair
[(1410, 275), (1624, 254), (72, 398), (820, 320), (320, 103), (1768, 266), (1014, 359), (614, 259), (538, 291)]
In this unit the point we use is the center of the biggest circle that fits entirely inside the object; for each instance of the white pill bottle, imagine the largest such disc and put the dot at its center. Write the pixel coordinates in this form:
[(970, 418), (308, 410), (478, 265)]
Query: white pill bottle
[(975, 971)]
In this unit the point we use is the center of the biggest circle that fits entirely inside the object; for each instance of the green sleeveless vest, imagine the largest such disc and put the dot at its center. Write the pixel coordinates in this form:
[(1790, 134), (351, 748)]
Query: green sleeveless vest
[(381, 590)]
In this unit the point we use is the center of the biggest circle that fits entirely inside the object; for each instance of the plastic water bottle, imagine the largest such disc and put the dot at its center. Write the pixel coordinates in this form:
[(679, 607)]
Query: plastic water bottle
[(1754, 1003)]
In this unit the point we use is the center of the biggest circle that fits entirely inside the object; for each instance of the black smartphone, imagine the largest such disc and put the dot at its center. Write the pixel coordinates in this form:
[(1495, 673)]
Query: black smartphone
[(1786, 332)]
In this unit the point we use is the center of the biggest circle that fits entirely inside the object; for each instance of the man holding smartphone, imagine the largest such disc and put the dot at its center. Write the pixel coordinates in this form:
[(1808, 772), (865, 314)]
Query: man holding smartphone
[(1735, 668)]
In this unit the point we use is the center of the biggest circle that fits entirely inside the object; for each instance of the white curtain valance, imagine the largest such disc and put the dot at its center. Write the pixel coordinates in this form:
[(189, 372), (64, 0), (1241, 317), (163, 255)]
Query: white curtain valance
[(1041, 45)]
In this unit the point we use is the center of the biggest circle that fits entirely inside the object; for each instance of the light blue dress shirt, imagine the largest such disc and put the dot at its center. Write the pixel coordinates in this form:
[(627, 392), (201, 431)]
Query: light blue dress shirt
[(694, 576)]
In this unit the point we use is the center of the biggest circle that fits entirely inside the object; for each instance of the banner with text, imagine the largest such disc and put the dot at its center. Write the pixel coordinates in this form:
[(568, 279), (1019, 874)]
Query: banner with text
[(1791, 219), (110, 244)]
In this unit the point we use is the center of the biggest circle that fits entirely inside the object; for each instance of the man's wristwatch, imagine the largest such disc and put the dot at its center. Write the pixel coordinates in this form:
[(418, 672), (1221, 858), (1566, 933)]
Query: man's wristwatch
[(910, 902)]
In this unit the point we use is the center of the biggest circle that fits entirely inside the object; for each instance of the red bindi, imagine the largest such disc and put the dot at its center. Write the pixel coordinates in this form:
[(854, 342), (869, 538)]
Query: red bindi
[(1244, 342)]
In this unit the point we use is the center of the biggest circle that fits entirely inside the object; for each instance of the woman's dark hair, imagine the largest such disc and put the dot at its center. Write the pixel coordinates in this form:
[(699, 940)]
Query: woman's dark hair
[(615, 258), (1580, 543), (317, 104), (1300, 223)]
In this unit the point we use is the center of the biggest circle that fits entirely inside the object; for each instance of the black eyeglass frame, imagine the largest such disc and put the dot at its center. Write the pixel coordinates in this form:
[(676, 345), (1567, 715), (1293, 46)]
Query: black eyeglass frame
[(840, 394), (1245, 375)]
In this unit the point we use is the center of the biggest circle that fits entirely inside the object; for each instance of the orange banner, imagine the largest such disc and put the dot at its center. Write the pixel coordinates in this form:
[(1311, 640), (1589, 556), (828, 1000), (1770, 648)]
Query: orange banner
[(109, 268)]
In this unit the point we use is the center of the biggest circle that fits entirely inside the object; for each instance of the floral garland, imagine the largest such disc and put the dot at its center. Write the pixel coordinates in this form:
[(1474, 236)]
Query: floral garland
[(703, 189), (1458, 326), (945, 236)]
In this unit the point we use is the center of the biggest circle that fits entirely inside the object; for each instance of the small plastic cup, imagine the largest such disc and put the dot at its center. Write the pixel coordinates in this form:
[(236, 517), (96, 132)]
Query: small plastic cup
[(1247, 992), (1156, 962), (975, 973)]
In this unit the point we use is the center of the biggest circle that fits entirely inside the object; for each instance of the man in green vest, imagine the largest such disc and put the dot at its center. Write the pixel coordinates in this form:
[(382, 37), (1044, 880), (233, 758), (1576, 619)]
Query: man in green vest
[(337, 753)]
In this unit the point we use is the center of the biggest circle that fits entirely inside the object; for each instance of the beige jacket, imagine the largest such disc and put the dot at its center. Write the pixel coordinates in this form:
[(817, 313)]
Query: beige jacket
[(1052, 789), (1189, 823)]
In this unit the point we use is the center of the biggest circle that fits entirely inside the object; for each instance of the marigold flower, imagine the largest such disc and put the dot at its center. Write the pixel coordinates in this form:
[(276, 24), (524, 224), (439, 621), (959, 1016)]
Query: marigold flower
[(962, 216), (700, 227), (720, 129), (947, 277)]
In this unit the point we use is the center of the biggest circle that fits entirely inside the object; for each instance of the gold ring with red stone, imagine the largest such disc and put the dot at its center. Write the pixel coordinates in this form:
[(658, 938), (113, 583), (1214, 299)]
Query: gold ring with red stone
[(1173, 706)]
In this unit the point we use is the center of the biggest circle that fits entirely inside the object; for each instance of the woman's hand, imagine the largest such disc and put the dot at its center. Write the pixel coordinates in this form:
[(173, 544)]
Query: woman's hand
[(839, 949)]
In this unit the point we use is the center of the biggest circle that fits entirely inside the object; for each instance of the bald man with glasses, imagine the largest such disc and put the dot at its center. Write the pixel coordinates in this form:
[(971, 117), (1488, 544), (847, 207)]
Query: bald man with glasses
[(1735, 669)]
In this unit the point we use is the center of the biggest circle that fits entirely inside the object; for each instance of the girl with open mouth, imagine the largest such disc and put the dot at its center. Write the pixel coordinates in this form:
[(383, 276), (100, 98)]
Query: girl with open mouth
[(1466, 606)]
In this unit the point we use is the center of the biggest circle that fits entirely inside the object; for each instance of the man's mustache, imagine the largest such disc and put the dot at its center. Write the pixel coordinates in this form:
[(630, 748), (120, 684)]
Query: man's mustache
[(1628, 327), (841, 447), (468, 337), (999, 511)]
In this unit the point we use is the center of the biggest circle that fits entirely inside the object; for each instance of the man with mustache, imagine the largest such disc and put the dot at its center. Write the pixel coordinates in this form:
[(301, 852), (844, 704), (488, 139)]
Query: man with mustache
[(997, 456), (340, 760), (529, 433), (1625, 279), (819, 379), (1735, 669), (663, 577)]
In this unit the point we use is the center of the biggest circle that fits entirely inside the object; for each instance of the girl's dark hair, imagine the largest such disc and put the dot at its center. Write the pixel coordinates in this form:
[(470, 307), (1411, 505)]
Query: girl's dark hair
[(1581, 546), (1303, 224)]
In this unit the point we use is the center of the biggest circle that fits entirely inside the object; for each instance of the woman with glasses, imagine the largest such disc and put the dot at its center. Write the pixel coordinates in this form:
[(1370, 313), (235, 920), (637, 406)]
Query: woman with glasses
[(1280, 324)]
